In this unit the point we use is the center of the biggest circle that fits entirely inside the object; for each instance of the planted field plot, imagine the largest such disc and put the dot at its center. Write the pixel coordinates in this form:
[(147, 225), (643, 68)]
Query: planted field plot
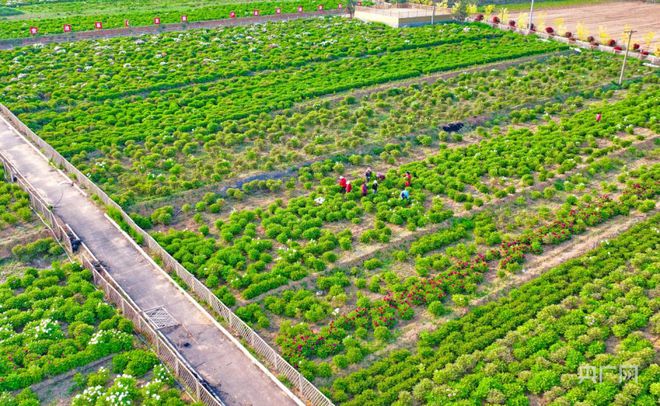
[(595, 310), (59, 340), (478, 161), (194, 119), (18, 18)]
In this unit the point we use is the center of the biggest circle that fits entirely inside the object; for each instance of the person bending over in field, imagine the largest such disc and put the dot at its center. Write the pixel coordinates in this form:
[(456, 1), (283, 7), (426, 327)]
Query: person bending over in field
[(408, 177), (367, 174), (380, 177), (374, 186), (405, 195), (365, 189), (349, 187)]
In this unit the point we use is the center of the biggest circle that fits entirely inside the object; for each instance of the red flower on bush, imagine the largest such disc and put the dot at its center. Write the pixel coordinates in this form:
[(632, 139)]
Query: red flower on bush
[(550, 30), (645, 52), (635, 47), (479, 17), (512, 23), (568, 34), (591, 39), (496, 19), (532, 27), (611, 42), (618, 48)]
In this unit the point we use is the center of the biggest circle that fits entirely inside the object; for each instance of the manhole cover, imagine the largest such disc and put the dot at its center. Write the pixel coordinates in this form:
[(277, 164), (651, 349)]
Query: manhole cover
[(161, 318)]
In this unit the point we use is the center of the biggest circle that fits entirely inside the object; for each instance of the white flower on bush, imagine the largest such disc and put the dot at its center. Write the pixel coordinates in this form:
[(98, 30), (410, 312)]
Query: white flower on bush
[(161, 374), (106, 336), (6, 331), (45, 328), (121, 392), (88, 397)]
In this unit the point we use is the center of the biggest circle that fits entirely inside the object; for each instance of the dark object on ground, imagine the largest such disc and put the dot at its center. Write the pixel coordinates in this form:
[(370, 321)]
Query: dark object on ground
[(453, 127)]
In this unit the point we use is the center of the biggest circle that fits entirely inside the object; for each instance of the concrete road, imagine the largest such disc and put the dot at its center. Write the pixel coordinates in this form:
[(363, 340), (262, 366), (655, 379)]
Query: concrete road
[(236, 375)]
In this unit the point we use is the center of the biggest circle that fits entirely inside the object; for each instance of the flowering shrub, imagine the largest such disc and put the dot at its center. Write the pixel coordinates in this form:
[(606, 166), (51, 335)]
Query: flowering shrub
[(611, 43), (496, 19), (125, 389), (479, 17), (550, 30)]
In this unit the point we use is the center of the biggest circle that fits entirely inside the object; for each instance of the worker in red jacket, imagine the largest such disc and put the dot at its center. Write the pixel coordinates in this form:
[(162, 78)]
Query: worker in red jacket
[(408, 177), (349, 187), (342, 183)]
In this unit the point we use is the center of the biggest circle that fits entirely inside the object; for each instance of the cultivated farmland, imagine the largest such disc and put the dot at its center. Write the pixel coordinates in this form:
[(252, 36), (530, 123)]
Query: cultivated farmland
[(500, 227), (59, 340)]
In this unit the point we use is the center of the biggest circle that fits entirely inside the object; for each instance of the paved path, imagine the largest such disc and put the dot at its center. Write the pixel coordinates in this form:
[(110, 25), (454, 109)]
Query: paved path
[(208, 348)]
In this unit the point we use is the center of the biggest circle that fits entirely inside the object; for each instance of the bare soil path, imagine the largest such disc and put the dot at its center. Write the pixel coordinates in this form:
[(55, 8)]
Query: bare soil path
[(218, 357), (613, 17)]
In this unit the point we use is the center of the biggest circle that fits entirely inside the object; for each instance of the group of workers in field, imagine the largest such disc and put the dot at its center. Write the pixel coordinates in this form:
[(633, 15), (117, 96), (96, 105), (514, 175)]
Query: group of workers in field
[(347, 187)]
